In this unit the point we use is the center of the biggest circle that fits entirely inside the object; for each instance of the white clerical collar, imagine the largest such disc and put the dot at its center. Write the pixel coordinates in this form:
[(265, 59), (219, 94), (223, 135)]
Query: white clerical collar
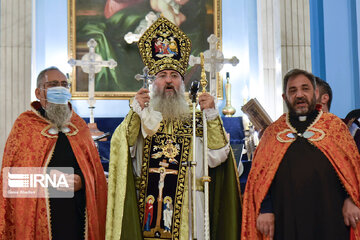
[(302, 118)]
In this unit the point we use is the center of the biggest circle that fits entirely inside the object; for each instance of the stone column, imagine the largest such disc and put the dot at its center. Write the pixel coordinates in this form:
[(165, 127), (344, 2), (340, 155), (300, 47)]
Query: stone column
[(15, 63), (295, 35), (269, 39), (284, 43)]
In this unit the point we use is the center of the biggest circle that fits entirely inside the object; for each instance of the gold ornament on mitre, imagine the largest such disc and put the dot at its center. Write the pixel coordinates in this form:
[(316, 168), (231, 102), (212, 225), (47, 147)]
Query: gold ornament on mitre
[(163, 46)]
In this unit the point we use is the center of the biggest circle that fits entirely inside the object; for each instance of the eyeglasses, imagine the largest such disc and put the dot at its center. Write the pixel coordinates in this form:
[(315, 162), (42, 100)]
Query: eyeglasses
[(64, 84)]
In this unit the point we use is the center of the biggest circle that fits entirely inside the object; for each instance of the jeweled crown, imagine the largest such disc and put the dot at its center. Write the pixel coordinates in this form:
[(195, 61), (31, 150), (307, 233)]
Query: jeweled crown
[(163, 46)]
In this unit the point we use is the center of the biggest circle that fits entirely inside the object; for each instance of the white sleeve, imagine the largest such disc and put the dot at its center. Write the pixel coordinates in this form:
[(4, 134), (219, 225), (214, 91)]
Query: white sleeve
[(137, 155), (218, 156), (215, 157), (150, 119)]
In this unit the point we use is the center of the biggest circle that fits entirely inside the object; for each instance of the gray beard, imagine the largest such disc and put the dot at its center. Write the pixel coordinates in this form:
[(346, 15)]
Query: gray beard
[(58, 114), (172, 107)]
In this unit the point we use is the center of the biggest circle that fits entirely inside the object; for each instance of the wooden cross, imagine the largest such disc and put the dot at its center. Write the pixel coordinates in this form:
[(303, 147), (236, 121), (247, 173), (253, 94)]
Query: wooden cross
[(148, 79), (163, 172), (92, 63), (214, 62)]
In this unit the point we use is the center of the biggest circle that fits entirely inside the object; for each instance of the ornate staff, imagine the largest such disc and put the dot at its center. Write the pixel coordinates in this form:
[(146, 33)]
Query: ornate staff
[(205, 178), (191, 174)]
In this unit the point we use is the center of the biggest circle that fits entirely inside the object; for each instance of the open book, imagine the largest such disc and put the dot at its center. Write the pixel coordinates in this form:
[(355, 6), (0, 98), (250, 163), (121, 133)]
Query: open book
[(256, 114)]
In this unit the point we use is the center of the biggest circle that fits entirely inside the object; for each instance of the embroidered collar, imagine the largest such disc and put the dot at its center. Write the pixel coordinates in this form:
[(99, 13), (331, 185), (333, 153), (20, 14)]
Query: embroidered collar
[(310, 133), (55, 130), (50, 130)]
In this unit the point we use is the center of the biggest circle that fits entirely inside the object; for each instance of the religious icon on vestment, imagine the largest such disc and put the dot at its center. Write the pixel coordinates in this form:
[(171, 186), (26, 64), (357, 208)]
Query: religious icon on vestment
[(149, 211), (167, 213)]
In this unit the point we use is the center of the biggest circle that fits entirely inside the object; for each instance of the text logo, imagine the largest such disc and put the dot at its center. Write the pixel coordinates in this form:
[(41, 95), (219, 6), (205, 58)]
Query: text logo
[(34, 182)]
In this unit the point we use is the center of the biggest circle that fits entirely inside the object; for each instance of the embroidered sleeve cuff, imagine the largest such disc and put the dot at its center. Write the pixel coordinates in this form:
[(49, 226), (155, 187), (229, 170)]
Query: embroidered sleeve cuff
[(133, 127), (217, 137)]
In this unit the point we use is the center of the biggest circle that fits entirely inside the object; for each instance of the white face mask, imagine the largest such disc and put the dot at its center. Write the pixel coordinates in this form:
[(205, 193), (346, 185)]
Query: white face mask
[(58, 95)]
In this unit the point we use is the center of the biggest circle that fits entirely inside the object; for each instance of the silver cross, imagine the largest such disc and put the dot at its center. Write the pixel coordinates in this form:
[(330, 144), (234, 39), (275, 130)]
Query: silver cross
[(214, 62), (148, 79), (92, 63)]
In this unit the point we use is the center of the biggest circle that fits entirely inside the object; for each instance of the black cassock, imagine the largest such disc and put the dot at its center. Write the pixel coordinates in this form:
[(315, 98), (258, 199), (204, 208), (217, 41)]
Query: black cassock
[(67, 214), (307, 195)]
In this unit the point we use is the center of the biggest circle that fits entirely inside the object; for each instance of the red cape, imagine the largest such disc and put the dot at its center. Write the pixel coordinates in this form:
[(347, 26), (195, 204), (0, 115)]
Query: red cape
[(30, 145), (331, 136)]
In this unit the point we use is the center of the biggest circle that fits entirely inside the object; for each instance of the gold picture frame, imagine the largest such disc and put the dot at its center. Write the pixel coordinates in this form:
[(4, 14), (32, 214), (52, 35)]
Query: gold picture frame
[(86, 19)]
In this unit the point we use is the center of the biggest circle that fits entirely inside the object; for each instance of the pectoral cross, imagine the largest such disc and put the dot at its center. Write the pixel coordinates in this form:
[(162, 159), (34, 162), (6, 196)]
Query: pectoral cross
[(92, 63), (214, 62), (163, 172), (148, 79)]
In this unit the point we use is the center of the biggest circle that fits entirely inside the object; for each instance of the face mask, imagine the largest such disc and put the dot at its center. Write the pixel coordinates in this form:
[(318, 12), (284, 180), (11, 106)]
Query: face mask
[(58, 95)]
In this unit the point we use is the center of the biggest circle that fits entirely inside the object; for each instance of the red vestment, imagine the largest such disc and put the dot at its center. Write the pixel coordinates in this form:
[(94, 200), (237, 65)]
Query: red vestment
[(331, 137), (31, 145)]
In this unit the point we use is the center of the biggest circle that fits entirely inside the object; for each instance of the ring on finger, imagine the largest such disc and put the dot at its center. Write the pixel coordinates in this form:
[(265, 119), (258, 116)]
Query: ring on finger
[(146, 104)]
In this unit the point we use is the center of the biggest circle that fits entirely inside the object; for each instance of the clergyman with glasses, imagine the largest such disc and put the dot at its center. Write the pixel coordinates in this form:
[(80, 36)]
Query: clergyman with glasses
[(51, 134)]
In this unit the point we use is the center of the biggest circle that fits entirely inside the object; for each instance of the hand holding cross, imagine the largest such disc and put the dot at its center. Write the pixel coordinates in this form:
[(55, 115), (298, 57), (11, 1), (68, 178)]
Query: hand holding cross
[(146, 77), (142, 96)]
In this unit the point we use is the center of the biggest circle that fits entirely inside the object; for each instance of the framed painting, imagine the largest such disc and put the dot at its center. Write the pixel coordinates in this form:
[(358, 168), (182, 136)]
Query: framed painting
[(108, 21)]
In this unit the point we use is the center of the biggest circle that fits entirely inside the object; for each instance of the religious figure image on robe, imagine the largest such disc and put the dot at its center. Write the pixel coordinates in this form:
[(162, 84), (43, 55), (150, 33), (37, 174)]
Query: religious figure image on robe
[(149, 211), (108, 21), (167, 212)]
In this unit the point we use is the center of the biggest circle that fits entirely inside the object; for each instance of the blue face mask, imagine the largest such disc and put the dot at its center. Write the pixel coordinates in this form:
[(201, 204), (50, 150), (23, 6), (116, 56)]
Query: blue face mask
[(58, 95)]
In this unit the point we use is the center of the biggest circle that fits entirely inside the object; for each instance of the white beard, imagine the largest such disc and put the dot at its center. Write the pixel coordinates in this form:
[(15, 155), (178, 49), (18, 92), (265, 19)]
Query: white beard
[(58, 114), (172, 107)]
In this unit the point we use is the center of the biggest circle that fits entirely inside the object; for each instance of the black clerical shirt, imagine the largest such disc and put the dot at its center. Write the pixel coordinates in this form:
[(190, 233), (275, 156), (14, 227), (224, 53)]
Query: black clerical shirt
[(67, 214)]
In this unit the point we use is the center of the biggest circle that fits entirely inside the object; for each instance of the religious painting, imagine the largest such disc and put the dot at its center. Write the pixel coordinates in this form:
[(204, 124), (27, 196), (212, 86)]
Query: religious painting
[(109, 21), (257, 114)]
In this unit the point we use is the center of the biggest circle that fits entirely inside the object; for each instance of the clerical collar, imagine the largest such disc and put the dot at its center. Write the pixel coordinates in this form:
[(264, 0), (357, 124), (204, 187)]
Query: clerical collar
[(301, 123), (302, 118)]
